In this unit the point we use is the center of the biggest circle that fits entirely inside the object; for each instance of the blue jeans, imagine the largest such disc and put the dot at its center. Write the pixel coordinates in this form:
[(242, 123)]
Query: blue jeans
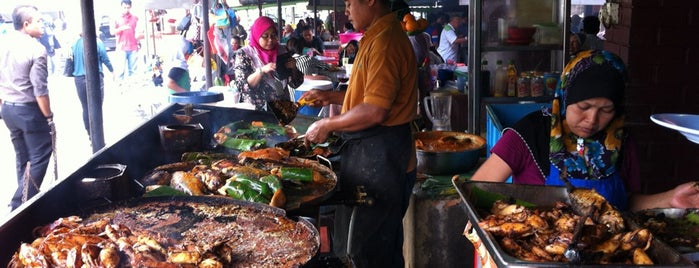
[(81, 86), (129, 58), (31, 138)]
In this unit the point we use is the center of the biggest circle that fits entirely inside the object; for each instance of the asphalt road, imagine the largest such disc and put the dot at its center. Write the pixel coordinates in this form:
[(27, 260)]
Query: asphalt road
[(126, 106)]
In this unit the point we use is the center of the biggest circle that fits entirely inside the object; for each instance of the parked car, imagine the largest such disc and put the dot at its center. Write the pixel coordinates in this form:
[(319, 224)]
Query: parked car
[(105, 35)]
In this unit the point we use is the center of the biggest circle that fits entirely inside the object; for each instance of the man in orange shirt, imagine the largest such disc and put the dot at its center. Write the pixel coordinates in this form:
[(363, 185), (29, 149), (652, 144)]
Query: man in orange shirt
[(378, 150)]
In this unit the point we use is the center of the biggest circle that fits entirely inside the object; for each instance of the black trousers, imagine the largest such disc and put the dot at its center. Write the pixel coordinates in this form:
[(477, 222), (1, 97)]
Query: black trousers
[(376, 159), (31, 138)]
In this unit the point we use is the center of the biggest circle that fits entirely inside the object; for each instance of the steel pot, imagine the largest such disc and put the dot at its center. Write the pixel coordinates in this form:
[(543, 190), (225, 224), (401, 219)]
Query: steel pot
[(106, 181), (181, 137), (447, 152)]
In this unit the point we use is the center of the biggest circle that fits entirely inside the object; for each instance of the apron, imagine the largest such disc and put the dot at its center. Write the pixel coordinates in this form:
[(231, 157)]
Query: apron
[(612, 187), (376, 159)]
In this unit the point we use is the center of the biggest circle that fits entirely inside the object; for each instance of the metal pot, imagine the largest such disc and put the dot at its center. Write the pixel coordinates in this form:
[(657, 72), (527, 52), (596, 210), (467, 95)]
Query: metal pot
[(447, 162), (181, 137), (106, 181)]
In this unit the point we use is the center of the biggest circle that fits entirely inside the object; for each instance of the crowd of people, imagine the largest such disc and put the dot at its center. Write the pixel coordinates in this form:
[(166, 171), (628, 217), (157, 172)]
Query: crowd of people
[(580, 139)]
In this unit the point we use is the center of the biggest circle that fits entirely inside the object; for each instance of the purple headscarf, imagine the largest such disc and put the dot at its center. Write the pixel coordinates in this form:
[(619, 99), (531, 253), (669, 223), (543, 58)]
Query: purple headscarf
[(261, 25)]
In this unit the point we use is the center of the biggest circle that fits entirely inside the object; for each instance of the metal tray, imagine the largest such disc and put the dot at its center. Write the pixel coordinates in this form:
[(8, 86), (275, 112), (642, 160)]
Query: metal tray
[(662, 254), (691, 253)]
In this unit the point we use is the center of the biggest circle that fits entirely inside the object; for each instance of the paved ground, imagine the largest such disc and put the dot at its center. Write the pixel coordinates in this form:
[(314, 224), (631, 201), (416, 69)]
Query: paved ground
[(125, 107)]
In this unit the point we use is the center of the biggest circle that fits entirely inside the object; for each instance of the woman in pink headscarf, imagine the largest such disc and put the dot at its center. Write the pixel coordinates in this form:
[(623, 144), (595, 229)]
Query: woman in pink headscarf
[(258, 76)]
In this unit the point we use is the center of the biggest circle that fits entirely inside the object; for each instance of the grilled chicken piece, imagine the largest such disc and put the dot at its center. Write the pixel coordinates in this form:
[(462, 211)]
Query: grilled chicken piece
[(188, 183), (213, 179), (277, 154), (586, 199), (184, 257), (641, 258)]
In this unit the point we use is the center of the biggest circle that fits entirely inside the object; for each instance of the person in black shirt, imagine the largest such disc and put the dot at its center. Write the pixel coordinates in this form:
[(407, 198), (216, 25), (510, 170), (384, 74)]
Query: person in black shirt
[(310, 42)]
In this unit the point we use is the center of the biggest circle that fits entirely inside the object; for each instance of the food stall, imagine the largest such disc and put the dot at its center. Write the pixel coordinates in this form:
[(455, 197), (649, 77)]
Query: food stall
[(131, 157)]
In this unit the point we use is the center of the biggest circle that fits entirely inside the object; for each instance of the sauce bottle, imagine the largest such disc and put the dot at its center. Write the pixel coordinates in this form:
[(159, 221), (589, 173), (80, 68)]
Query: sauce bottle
[(511, 79), (500, 81)]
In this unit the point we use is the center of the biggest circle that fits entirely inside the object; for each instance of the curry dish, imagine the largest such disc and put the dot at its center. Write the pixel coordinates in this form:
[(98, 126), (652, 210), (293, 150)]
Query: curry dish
[(447, 141)]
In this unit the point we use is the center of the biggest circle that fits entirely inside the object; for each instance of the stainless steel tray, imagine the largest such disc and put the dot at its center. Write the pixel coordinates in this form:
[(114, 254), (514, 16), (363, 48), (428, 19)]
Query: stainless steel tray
[(663, 255), (691, 253)]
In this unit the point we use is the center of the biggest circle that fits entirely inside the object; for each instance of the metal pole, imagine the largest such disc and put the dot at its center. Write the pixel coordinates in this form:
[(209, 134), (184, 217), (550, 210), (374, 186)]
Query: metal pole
[(92, 75), (315, 17), (279, 18), (207, 46), (259, 8)]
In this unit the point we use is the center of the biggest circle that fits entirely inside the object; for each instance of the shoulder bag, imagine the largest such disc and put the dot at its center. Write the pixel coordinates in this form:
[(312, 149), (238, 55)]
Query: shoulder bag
[(69, 66)]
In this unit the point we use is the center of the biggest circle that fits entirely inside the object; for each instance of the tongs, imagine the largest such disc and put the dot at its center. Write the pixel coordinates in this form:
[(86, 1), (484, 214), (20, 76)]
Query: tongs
[(574, 251)]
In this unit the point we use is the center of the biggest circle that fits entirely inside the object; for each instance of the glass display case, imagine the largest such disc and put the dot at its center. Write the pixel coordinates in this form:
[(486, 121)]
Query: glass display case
[(502, 30)]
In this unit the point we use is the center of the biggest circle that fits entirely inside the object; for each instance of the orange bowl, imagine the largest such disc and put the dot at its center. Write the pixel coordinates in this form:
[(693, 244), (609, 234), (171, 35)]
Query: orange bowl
[(521, 33)]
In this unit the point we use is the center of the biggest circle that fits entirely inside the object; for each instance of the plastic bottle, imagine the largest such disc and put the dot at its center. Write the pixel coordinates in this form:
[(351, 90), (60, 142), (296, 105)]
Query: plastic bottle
[(485, 79), (500, 82), (511, 79)]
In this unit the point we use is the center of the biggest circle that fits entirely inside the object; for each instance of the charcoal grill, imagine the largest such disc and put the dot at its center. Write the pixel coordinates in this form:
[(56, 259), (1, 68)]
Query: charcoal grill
[(140, 151)]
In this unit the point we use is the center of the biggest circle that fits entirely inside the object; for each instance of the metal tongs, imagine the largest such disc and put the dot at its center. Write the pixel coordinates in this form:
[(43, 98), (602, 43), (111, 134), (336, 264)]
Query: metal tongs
[(574, 251)]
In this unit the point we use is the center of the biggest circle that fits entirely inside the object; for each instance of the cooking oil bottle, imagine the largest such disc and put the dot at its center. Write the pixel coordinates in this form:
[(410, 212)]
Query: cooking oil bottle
[(511, 79), (500, 81)]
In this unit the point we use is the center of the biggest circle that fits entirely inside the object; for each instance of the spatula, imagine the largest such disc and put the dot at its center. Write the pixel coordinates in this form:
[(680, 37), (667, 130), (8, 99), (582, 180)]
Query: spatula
[(285, 110)]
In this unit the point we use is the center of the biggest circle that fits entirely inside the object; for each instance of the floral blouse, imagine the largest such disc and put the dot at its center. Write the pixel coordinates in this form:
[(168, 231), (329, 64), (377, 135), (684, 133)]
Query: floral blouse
[(270, 88)]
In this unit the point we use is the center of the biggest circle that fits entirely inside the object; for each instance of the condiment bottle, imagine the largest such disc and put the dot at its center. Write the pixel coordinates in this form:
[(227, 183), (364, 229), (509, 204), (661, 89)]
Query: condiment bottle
[(485, 78), (500, 82), (511, 79)]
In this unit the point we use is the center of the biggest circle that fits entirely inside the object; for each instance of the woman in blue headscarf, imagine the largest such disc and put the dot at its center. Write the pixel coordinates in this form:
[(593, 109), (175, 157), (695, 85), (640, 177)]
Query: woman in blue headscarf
[(581, 138)]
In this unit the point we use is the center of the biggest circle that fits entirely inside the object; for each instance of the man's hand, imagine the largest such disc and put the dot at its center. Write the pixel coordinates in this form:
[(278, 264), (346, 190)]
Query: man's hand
[(317, 132)]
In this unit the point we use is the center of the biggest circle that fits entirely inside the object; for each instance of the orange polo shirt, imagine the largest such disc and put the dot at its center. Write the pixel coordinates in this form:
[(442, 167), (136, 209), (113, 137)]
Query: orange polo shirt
[(385, 74)]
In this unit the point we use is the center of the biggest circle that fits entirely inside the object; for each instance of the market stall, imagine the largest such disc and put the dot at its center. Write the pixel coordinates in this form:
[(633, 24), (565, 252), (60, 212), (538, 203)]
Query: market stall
[(137, 153)]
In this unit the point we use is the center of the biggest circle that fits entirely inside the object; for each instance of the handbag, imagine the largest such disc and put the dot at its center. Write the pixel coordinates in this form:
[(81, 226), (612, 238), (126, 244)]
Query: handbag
[(69, 67), (185, 23)]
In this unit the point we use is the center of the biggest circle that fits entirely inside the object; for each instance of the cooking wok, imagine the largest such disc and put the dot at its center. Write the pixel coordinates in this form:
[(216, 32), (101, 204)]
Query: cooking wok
[(309, 195), (253, 234), (297, 196)]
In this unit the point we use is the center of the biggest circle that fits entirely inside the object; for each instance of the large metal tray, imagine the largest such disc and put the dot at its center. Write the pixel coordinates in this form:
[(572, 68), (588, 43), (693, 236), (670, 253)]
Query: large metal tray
[(662, 254)]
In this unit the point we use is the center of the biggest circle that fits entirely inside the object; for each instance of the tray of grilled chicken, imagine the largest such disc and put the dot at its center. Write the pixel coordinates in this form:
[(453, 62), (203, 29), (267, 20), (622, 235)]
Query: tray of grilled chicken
[(548, 226)]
